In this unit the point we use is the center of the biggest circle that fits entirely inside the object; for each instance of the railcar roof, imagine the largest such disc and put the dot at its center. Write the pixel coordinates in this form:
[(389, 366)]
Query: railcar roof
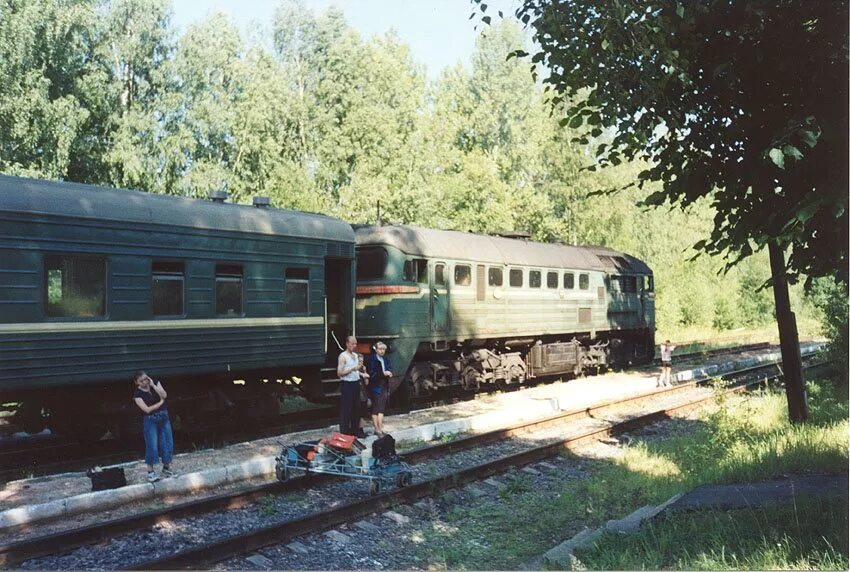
[(38, 196), (454, 245)]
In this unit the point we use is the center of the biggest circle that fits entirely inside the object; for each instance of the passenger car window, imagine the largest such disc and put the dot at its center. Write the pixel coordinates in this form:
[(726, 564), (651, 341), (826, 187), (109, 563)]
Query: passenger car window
[(167, 288), (584, 281), (228, 290), (74, 286), (534, 278), (297, 291), (371, 263), (552, 280), (569, 280), (463, 275), (494, 276), (515, 277)]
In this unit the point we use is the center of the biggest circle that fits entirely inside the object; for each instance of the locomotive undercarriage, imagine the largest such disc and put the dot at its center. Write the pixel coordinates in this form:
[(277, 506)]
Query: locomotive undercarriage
[(499, 364)]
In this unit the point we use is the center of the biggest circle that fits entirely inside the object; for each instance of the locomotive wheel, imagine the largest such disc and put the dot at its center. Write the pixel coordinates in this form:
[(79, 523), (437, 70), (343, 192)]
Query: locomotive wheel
[(469, 379)]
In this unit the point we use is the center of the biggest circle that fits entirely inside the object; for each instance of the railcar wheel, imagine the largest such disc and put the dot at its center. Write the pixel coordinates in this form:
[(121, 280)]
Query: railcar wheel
[(374, 487), (282, 472), (403, 479), (30, 417)]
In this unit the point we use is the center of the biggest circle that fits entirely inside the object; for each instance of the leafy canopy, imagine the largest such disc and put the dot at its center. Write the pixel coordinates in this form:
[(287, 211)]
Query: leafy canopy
[(745, 102)]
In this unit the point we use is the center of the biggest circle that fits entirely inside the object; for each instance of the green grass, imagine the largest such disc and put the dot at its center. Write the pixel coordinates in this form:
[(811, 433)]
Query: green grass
[(746, 439), (804, 535)]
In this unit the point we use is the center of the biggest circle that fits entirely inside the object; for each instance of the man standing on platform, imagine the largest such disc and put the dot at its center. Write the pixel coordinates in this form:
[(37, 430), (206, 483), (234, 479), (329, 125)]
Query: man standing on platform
[(348, 369)]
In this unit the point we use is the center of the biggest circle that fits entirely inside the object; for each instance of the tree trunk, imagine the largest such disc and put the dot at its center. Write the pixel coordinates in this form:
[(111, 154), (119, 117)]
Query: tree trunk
[(788, 339)]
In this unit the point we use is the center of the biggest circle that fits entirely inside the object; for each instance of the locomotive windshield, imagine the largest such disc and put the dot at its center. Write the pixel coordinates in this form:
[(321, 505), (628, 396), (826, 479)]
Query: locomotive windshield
[(371, 263)]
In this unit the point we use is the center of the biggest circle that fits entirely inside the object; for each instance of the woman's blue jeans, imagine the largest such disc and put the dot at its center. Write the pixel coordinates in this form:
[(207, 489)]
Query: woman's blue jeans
[(159, 441)]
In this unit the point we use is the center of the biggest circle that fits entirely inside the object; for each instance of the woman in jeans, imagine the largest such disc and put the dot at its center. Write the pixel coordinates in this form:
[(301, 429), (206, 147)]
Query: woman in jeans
[(159, 442)]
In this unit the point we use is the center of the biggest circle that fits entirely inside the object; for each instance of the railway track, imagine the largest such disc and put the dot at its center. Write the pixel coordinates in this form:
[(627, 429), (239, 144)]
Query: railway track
[(53, 456), (201, 556)]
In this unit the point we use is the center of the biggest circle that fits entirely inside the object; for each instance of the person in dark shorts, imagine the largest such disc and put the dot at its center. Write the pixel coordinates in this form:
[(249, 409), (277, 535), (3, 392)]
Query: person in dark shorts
[(150, 397), (666, 363), (379, 386)]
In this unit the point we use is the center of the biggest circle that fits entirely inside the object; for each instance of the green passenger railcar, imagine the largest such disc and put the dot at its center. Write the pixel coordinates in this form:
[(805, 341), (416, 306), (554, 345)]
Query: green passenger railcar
[(465, 309), (96, 283)]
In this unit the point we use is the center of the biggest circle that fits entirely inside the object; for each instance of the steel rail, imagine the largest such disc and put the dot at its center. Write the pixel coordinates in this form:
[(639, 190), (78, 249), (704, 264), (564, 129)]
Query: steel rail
[(209, 554), (78, 456), (16, 552)]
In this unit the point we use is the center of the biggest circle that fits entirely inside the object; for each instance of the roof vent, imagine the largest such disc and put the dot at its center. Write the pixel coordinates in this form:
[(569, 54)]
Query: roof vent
[(262, 202), (218, 196)]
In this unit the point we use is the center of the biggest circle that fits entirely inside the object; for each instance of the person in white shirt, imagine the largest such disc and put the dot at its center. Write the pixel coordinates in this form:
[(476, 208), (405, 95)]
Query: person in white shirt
[(666, 363), (349, 369)]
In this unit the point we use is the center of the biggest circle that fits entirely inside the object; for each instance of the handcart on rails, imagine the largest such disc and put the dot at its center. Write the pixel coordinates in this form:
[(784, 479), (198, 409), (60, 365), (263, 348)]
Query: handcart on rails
[(346, 456)]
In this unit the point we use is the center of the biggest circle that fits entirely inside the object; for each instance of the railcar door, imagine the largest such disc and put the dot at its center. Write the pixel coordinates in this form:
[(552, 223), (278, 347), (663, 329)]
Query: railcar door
[(440, 313)]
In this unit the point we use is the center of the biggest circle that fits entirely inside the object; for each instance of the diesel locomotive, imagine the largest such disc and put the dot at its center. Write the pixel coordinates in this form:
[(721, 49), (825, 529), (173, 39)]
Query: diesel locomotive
[(236, 306), (467, 310)]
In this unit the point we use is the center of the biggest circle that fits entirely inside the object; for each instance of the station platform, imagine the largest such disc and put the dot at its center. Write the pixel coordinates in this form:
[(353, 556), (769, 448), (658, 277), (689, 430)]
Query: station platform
[(66, 498)]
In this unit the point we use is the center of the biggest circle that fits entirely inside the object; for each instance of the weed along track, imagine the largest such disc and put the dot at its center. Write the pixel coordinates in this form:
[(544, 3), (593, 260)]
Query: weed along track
[(212, 530)]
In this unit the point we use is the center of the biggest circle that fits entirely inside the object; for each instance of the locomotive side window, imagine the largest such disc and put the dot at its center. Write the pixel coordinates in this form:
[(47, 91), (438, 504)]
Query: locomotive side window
[(515, 277), (569, 281), (416, 271), (629, 284), (75, 286), (552, 280), (167, 288), (440, 274), (534, 278), (650, 286), (228, 289), (463, 275), (494, 276), (584, 281), (297, 291), (371, 263)]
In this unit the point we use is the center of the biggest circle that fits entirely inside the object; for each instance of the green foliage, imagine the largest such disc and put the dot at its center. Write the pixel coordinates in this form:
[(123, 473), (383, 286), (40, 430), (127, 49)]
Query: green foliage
[(706, 92), (831, 298), (329, 121)]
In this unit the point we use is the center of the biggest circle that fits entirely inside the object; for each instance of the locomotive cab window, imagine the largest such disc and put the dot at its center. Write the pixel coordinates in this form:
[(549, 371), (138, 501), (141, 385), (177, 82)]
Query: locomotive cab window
[(416, 271), (569, 281), (584, 281), (167, 288), (228, 290), (551, 279), (494, 276), (439, 274), (371, 263), (515, 277), (463, 275), (534, 278), (297, 291), (649, 284), (74, 287)]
